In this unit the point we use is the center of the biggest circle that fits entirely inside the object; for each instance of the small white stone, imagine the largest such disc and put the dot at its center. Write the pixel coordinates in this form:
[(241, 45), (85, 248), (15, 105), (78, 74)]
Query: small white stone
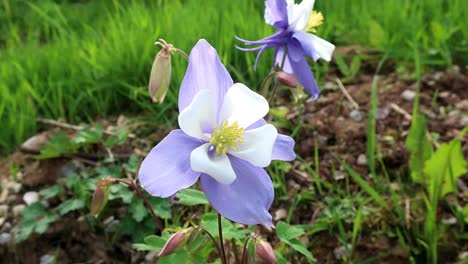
[(382, 113), (462, 105), (361, 160), (340, 252), (408, 95), (5, 238), (449, 221), (6, 227), (280, 214), (150, 256), (47, 259), (339, 175), (464, 121), (356, 115), (30, 197), (17, 209)]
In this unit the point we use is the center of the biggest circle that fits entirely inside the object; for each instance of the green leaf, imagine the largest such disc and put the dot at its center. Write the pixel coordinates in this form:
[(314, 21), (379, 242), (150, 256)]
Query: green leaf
[(70, 205), (444, 167), (287, 232), (35, 219), (191, 197), (377, 36), (439, 32), (342, 66), (299, 247), (161, 206), (419, 147), (209, 221), (137, 209), (58, 144), (371, 127), (364, 185), (151, 243), (51, 191), (89, 135), (280, 258)]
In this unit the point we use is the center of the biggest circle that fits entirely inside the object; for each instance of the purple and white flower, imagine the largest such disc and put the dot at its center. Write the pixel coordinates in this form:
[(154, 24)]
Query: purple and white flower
[(223, 140), (295, 24)]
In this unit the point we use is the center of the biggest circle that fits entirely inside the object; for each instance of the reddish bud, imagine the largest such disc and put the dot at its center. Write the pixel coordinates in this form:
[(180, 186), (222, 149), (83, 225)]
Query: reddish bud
[(161, 72), (100, 196), (175, 242), (287, 79), (264, 252)]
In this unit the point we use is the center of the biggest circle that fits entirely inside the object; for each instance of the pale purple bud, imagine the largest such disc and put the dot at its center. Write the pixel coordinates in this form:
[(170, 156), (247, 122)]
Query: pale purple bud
[(100, 196), (160, 77), (287, 79), (175, 242), (264, 253)]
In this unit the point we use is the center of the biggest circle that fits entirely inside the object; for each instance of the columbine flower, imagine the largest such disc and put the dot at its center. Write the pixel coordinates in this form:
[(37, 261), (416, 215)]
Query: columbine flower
[(223, 140), (295, 23)]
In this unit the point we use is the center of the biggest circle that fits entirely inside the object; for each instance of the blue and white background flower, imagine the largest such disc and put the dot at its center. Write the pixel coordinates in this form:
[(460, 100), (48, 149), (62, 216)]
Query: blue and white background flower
[(295, 24), (223, 140)]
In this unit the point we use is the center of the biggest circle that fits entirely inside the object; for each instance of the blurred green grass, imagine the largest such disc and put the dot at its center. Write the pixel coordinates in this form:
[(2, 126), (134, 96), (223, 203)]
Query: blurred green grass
[(79, 60)]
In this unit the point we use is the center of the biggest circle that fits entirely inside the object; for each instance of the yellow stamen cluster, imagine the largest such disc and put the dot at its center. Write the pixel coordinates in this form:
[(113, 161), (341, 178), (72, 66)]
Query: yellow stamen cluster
[(315, 20), (227, 136)]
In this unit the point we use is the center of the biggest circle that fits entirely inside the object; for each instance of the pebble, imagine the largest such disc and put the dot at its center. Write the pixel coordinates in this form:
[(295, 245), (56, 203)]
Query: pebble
[(17, 209), (3, 210), (150, 256), (361, 160), (30, 197), (340, 253), (280, 214), (47, 259), (408, 95), (464, 121), (6, 227), (356, 115), (382, 113), (462, 105), (339, 175), (5, 238), (449, 221)]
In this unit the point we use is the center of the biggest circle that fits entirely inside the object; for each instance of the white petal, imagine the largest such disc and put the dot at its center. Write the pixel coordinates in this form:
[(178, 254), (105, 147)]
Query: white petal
[(323, 48), (299, 14), (199, 117), (219, 167), (258, 146), (242, 105)]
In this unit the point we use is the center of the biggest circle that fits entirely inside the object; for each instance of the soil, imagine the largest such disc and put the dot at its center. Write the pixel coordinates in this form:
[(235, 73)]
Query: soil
[(332, 124)]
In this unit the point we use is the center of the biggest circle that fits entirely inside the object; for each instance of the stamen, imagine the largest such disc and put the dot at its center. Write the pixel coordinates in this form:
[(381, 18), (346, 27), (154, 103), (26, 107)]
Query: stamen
[(227, 136), (315, 20)]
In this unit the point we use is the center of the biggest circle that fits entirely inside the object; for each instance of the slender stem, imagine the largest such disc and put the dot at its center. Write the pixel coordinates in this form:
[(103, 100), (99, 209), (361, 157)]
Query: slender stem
[(275, 87), (234, 250), (148, 205), (221, 240), (134, 188), (266, 83), (214, 241), (244, 252)]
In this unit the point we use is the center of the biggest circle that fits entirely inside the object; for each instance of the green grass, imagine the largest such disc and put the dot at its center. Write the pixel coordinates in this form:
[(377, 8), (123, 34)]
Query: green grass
[(79, 60)]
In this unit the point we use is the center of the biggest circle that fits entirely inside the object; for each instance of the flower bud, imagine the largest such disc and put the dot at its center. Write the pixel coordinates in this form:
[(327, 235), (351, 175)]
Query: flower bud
[(160, 74), (175, 242), (100, 196), (287, 79), (264, 252)]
